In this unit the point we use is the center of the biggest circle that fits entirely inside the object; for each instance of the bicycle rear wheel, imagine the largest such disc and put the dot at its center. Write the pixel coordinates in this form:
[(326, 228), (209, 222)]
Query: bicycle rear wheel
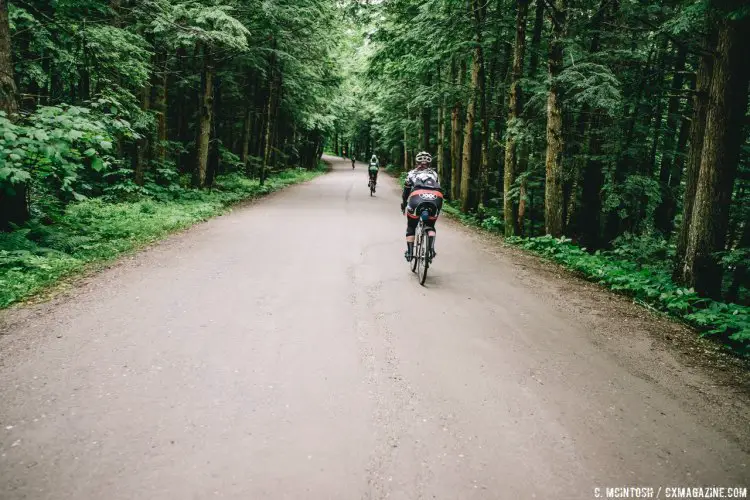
[(417, 245), (424, 257)]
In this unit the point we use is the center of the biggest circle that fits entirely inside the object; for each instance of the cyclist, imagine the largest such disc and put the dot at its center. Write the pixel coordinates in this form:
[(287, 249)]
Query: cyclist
[(421, 191), (372, 170), (353, 160)]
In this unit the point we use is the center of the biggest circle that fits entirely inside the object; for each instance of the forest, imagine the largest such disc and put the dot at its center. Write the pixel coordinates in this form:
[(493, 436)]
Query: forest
[(609, 135), (122, 120)]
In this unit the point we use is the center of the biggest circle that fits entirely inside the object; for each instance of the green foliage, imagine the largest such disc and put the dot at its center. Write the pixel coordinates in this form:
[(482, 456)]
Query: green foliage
[(189, 22), (38, 255), (634, 200), (64, 152), (648, 249), (593, 85)]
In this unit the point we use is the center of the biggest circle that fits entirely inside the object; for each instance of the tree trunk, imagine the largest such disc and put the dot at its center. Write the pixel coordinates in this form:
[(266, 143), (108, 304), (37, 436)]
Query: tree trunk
[(466, 166), (8, 91), (440, 142), (406, 150), (721, 148), (650, 168), (205, 119), (675, 176), (695, 150), (536, 37), (456, 137), (13, 205), (84, 75), (185, 109), (270, 126), (664, 212), (510, 209), (247, 127), (142, 145), (553, 192), (214, 154), (484, 158), (523, 162), (159, 101), (426, 118), (269, 114), (591, 188), (261, 111), (275, 142)]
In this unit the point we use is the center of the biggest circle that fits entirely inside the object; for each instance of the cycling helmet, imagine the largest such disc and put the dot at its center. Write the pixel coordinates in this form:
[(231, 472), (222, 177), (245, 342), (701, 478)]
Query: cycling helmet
[(423, 159)]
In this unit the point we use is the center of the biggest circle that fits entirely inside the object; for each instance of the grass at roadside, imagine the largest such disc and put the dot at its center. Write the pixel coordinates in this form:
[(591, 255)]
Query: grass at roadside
[(36, 256), (641, 271)]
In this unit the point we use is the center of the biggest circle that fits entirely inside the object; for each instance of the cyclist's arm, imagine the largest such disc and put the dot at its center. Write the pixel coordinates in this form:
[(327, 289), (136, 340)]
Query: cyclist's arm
[(405, 194)]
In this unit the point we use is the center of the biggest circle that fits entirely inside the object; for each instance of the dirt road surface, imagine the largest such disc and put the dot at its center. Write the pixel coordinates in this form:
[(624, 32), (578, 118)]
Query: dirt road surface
[(285, 351)]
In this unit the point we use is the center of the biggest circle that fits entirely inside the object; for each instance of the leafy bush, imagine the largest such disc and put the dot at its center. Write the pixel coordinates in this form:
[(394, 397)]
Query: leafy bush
[(62, 152), (644, 249)]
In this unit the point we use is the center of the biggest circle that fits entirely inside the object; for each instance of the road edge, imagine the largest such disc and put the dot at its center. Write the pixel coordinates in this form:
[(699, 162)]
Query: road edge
[(76, 279)]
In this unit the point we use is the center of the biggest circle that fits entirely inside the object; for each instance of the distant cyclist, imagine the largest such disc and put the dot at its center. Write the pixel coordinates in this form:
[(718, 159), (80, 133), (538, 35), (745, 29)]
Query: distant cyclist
[(421, 191), (372, 170), (353, 160)]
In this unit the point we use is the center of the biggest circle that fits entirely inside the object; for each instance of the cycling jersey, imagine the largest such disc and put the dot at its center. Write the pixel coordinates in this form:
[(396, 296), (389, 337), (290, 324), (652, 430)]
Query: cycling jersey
[(426, 178), (374, 164)]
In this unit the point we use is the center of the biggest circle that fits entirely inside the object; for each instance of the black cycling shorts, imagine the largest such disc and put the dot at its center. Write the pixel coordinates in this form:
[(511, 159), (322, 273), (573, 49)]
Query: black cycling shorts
[(420, 200)]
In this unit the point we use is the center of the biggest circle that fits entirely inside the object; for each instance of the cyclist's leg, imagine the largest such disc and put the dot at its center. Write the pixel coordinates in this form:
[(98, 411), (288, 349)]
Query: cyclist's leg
[(431, 234), (431, 230), (411, 227), (411, 209)]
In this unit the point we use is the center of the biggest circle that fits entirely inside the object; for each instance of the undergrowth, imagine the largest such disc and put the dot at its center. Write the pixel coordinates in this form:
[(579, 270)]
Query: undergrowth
[(640, 269), (37, 255)]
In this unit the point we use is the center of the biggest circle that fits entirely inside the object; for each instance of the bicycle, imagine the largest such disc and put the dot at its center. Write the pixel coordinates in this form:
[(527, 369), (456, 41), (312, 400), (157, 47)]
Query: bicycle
[(371, 185), (423, 251)]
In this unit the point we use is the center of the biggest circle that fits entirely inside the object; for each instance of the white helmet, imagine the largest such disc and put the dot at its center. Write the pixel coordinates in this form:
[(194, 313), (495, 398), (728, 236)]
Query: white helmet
[(423, 157)]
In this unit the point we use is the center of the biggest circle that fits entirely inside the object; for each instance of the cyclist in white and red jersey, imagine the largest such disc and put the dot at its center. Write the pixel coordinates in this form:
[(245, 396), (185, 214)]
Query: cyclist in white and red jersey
[(421, 192)]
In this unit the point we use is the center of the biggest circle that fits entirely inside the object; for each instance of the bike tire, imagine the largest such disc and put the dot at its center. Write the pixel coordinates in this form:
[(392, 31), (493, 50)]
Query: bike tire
[(415, 251), (425, 258)]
